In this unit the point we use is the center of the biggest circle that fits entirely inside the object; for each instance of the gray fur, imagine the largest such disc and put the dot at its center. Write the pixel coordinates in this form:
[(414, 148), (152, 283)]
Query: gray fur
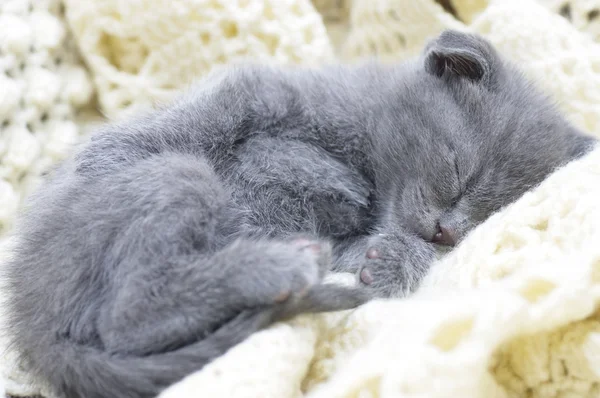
[(173, 236)]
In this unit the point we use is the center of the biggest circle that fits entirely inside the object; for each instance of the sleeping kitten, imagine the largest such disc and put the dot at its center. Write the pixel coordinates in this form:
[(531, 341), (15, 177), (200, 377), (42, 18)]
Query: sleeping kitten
[(171, 237)]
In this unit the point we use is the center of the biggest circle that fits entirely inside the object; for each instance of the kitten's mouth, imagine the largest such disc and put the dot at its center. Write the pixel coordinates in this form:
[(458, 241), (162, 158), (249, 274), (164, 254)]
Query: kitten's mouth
[(442, 250)]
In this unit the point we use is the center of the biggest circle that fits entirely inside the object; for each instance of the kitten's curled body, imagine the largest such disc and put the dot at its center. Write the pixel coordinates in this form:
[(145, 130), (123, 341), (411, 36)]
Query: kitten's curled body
[(173, 236)]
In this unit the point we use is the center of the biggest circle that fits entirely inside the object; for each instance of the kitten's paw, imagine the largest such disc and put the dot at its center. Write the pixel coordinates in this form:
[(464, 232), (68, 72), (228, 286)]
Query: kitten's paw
[(313, 295), (319, 254), (269, 273), (395, 264)]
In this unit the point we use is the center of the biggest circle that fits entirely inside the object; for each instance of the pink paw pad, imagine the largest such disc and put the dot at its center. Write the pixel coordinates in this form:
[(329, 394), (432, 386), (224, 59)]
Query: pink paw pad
[(365, 276), (372, 253), (283, 296)]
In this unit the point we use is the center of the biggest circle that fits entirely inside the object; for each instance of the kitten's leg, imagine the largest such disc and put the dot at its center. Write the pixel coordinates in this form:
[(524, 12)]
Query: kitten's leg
[(286, 186), (162, 307), (172, 286)]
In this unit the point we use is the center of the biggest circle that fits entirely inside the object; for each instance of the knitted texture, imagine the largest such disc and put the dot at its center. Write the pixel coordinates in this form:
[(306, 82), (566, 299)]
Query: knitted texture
[(145, 51), (511, 312), (584, 14), (392, 30), (42, 88)]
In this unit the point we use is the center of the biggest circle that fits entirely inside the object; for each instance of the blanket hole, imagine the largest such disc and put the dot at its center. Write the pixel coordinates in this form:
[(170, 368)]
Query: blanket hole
[(565, 11), (449, 335), (229, 29), (541, 225), (536, 289), (124, 54)]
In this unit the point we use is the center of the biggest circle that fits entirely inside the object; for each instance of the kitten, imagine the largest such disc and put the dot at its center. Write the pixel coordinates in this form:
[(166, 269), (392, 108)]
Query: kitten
[(171, 237)]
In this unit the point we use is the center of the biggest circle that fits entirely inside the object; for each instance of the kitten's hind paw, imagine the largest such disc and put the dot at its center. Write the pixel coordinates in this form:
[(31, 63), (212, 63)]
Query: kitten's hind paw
[(265, 273), (320, 297), (287, 274)]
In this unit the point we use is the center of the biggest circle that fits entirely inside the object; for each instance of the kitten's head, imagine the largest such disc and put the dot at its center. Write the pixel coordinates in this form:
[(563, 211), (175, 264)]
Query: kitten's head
[(467, 135)]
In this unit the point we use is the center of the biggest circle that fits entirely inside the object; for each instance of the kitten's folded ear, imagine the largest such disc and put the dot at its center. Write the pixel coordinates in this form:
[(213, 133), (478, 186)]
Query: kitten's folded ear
[(464, 55)]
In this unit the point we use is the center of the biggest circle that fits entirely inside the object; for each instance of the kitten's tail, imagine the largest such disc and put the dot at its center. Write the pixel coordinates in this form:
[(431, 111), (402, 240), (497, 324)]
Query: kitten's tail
[(77, 371), (84, 372)]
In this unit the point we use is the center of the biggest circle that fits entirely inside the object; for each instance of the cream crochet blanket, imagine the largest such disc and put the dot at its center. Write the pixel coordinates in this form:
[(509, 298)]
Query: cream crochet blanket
[(512, 312)]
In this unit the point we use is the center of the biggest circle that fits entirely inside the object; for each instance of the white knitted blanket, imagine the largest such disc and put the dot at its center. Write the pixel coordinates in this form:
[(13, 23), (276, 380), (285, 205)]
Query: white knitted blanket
[(511, 312)]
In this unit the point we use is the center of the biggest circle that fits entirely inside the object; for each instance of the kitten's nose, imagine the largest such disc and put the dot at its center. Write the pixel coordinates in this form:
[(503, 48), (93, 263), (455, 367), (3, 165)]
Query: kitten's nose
[(445, 236)]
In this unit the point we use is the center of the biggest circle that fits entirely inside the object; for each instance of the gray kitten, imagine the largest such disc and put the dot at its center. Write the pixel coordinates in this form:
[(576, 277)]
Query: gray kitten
[(171, 237)]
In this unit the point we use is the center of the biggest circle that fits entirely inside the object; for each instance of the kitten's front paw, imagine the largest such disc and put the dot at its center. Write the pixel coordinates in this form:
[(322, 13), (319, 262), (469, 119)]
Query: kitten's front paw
[(395, 264)]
